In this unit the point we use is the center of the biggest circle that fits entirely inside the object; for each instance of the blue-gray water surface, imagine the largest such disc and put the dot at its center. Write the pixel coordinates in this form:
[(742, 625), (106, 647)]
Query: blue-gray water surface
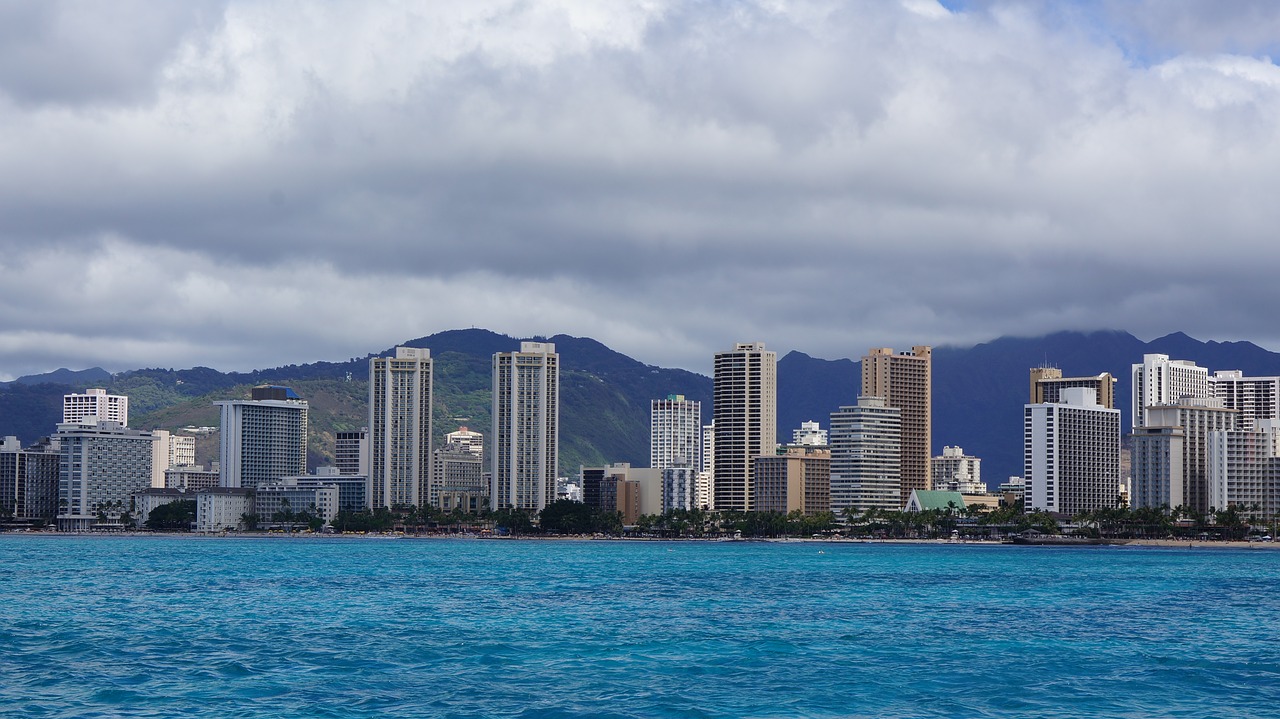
[(172, 626)]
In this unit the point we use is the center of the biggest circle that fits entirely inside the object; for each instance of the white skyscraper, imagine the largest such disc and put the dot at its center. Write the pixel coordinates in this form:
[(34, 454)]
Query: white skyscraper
[(1158, 380), (400, 394), (95, 403), (1256, 398), (1194, 419), (866, 450), (1244, 469), (746, 421), (1071, 454), (675, 432), (955, 471), (524, 444), (101, 465), (263, 439)]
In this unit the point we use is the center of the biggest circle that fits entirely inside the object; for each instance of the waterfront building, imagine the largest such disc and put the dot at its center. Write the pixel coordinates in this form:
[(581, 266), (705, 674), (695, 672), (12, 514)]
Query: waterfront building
[(101, 465), (29, 479), (190, 479), (525, 442), (866, 456), (938, 499), (95, 404), (679, 488), (147, 500), (1071, 454), (222, 509), (623, 488), (459, 474), (904, 380), (1047, 384), (796, 478), (1244, 469), (1158, 380), (400, 390), (955, 471), (352, 489), (282, 501), (810, 434), (1196, 418), (1155, 467), (675, 432), (351, 452), (263, 438), (746, 418), (705, 489), (1255, 398)]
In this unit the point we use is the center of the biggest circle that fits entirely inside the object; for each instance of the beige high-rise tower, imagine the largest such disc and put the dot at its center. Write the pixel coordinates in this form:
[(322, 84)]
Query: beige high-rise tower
[(746, 419), (905, 381)]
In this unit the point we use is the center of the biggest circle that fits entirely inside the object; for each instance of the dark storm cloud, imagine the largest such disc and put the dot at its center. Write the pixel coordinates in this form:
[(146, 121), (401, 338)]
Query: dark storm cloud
[(667, 177)]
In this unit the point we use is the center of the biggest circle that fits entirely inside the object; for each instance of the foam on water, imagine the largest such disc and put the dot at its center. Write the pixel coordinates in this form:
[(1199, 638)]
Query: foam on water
[(351, 628)]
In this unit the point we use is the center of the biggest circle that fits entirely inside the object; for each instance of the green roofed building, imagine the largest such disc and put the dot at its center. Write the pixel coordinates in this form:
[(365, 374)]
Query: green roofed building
[(922, 499)]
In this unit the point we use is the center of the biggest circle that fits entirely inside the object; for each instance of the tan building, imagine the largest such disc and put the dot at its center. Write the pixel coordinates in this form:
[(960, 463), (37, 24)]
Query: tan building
[(799, 479), (746, 419), (905, 381), (1047, 384)]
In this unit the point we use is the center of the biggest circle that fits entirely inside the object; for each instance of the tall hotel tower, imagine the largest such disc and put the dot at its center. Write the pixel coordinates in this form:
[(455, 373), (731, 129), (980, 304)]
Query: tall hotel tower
[(526, 427), (675, 432), (1159, 380), (400, 429), (95, 403), (746, 419), (263, 439), (905, 381)]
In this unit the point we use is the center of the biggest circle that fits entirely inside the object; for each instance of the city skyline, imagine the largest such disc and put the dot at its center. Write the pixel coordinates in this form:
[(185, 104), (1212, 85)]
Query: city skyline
[(536, 166)]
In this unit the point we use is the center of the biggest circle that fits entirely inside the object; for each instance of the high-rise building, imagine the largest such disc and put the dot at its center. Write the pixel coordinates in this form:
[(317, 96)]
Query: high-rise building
[(467, 439), (1155, 467), (1047, 384), (1158, 380), (170, 450), (704, 488), (525, 442), (905, 381), (101, 465), (798, 478), (810, 434), (459, 473), (96, 404), (746, 418), (1244, 469), (679, 487), (955, 471), (866, 456), (351, 452), (1071, 454), (400, 429), (263, 438), (1196, 418), (29, 478), (1255, 398), (675, 432)]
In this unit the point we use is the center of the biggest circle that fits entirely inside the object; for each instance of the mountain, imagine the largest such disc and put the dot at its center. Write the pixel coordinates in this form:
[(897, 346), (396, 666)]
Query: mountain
[(67, 377), (978, 391)]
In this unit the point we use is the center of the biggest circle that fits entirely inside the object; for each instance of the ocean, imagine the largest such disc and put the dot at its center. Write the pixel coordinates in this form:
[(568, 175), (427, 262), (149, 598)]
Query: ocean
[(186, 626)]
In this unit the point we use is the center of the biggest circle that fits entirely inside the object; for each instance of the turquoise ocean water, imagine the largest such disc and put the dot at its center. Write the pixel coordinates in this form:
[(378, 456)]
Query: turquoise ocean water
[(168, 627)]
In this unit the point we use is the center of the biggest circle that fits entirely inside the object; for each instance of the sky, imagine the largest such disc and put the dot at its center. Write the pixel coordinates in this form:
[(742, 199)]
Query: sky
[(243, 185)]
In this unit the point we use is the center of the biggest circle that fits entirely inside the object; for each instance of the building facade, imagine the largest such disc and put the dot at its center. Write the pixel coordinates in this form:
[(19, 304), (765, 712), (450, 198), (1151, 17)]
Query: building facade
[(1196, 418), (1158, 380), (1071, 454), (1255, 398), (796, 479), (221, 509), (400, 396), (29, 479), (866, 456), (263, 438), (351, 452), (905, 381), (955, 471), (675, 432), (746, 419), (95, 404), (459, 474), (810, 434), (679, 488), (101, 465), (1155, 467), (1244, 469), (190, 479), (1047, 384), (525, 441)]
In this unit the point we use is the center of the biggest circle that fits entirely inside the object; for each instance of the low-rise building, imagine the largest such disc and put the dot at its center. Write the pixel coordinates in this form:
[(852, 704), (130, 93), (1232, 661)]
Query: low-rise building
[(221, 509), (146, 501), (798, 478)]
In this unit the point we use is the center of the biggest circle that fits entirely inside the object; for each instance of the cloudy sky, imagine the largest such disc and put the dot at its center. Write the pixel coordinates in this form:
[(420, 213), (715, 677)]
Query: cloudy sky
[(247, 184)]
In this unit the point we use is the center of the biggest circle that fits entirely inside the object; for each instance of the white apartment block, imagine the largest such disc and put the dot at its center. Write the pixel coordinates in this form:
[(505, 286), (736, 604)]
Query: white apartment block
[(170, 450), (675, 432), (1196, 418), (263, 439), (192, 479), (866, 451), (95, 403), (525, 442), (101, 465), (468, 439), (1244, 469), (955, 471), (1158, 380), (219, 509), (400, 396), (810, 434), (678, 488), (746, 419), (1255, 398), (351, 452), (1071, 454)]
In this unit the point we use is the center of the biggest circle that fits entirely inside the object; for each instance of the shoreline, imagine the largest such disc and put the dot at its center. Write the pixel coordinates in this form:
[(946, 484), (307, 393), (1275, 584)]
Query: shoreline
[(1142, 543)]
